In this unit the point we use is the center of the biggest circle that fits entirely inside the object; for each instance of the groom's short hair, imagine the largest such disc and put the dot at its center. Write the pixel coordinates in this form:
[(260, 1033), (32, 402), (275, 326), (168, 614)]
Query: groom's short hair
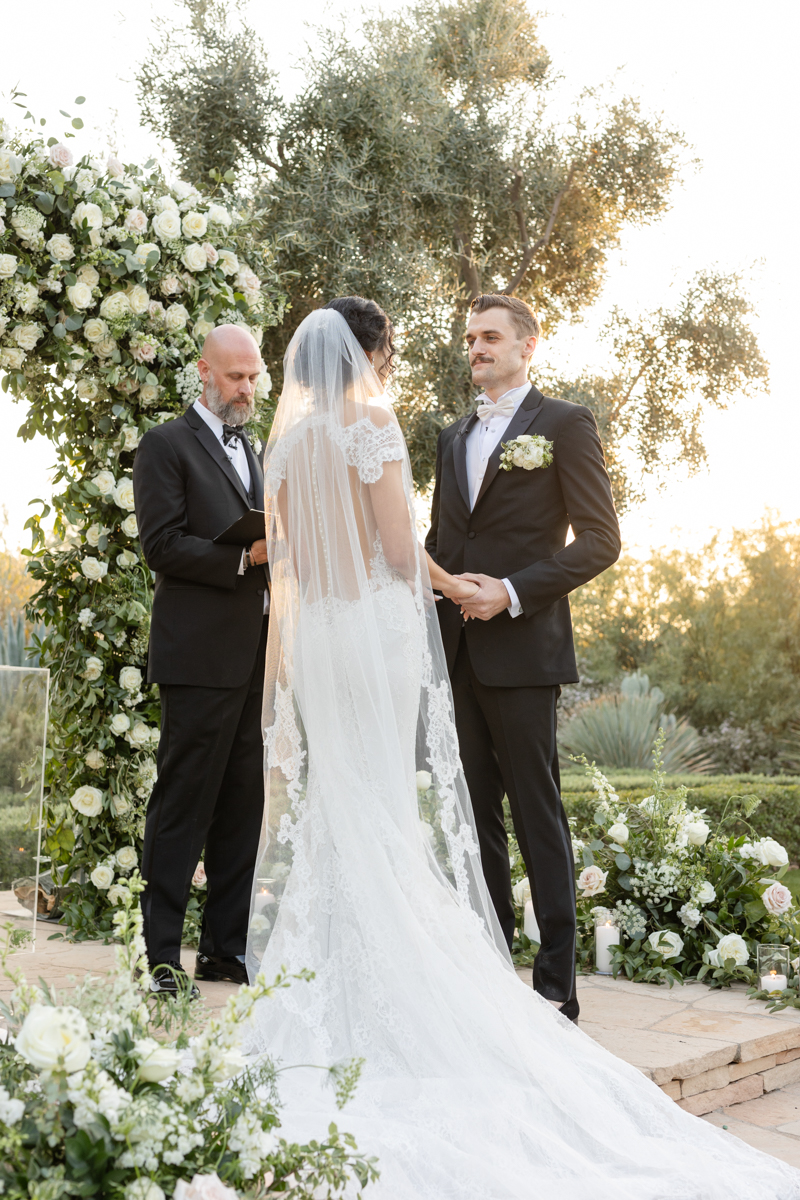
[(524, 318)]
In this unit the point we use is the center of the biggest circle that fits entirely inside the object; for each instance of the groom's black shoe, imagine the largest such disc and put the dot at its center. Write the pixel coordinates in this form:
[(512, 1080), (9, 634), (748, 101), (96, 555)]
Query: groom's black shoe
[(570, 1010), (220, 970), (170, 979)]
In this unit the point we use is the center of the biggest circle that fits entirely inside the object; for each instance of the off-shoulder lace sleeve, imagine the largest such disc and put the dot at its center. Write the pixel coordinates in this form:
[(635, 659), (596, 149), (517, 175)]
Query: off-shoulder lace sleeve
[(367, 447)]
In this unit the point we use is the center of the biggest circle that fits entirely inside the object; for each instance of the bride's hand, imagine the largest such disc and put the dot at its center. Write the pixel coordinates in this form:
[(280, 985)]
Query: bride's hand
[(460, 590)]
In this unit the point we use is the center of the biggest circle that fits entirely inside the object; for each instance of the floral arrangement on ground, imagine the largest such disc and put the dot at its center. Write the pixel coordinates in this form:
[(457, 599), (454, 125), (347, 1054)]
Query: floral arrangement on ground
[(689, 900), (110, 1095), (110, 279)]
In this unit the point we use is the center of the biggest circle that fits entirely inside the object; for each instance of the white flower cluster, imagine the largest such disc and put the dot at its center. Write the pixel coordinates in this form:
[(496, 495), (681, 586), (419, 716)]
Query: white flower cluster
[(631, 919), (766, 851), (529, 451), (188, 383), (251, 1142), (654, 881)]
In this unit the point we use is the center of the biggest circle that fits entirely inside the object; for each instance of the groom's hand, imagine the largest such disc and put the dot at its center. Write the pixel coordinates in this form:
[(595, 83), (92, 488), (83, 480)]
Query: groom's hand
[(488, 601)]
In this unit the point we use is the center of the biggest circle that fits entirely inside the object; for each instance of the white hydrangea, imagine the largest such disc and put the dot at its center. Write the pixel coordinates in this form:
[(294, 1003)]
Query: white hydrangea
[(251, 1143), (188, 383), (11, 1110), (94, 1092), (689, 916), (85, 619)]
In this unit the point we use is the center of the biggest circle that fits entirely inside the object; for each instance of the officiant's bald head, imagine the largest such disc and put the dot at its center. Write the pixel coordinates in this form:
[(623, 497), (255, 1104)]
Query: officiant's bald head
[(229, 368)]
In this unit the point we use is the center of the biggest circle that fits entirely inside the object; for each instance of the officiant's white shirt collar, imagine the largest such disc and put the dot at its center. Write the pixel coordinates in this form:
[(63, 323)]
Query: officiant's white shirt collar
[(211, 419)]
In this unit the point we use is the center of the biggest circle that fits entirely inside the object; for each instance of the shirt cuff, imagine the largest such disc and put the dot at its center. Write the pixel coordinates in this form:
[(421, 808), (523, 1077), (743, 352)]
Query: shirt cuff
[(515, 608), (241, 565)]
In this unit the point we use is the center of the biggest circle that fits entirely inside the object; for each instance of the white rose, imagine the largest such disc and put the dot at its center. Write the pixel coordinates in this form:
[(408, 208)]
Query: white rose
[(12, 359), (697, 832), (181, 190), (135, 221), (10, 166), (194, 225), (143, 252), (102, 877), (95, 330), (730, 946), (165, 204), (123, 494), (89, 276), (219, 215), (167, 225), (28, 297), (92, 214), (203, 1187), (424, 781), (194, 257), (115, 306), (592, 881), (119, 804), (26, 336), (95, 760), (80, 296), (201, 330), (105, 482), (129, 191), (87, 389), (84, 180), (94, 569), (8, 265), (60, 247), (619, 833), (130, 526), (94, 665), (138, 299), (705, 894), (87, 800), (771, 853), (127, 858), (667, 943), (144, 1189), (176, 317), (247, 280), (60, 156), (777, 899), (259, 923), (120, 723), (114, 168), (130, 678), (264, 385), (118, 893), (229, 262), (130, 437), (127, 559), (54, 1039), (171, 285), (148, 393), (139, 736), (521, 892), (156, 1062)]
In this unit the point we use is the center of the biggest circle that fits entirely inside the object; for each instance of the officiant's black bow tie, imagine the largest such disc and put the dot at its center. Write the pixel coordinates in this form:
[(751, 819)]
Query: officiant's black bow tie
[(230, 433)]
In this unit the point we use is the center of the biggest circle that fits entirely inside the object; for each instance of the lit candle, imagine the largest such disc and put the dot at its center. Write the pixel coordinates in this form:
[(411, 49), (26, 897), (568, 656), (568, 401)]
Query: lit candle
[(773, 982), (605, 936), (531, 926), (262, 899)]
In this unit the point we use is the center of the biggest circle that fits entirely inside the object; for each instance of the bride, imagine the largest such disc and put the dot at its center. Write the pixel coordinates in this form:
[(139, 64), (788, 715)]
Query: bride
[(474, 1087)]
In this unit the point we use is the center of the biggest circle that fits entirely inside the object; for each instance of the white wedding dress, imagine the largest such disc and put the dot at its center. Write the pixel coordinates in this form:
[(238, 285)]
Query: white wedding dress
[(474, 1087)]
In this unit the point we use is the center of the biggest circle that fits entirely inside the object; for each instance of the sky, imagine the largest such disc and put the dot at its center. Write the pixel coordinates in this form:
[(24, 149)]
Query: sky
[(724, 73)]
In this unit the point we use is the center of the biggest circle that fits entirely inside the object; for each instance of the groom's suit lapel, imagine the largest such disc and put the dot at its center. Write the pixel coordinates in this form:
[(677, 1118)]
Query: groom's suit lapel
[(523, 418), (465, 425), (212, 445)]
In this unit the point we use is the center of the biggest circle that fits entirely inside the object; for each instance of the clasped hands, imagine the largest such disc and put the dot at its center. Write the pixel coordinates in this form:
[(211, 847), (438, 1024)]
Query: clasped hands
[(481, 596)]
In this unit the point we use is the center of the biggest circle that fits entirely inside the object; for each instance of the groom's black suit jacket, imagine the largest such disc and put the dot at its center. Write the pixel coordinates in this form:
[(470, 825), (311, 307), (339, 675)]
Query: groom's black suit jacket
[(518, 530), (207, 619)]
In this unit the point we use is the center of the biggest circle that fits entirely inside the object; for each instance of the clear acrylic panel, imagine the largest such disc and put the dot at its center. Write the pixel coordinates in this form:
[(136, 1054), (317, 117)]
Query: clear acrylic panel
[(27, 891)]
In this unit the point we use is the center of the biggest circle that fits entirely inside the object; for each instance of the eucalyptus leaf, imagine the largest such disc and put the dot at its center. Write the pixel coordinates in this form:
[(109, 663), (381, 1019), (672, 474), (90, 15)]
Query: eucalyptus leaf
[(623, 861), (625, 882), (59, 331)]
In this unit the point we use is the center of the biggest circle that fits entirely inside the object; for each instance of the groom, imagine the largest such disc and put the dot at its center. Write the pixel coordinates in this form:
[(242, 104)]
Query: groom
[(510, 647), (192, 478)]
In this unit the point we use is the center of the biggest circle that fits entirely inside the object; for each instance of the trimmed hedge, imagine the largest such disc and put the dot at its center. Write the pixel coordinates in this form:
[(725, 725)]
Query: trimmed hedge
[(777, 816)]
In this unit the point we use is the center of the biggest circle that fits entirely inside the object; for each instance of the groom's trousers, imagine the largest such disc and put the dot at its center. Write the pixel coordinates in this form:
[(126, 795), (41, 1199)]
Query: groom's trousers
[(209, 792), (507, 739)]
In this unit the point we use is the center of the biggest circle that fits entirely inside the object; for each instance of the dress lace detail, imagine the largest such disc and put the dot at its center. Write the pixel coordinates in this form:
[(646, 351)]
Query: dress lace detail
[(365, 445), (283, 743)]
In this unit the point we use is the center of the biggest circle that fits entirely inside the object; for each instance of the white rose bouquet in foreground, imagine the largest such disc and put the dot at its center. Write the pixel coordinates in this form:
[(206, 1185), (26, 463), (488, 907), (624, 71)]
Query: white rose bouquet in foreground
[(690, 900), (94, 1102), (110, 277)]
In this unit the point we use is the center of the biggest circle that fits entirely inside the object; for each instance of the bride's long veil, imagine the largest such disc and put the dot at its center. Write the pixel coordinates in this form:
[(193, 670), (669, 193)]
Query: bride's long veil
[(342, 712)]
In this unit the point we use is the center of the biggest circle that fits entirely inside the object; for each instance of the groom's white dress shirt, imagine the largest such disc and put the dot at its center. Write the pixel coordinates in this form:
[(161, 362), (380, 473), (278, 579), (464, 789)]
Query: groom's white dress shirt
[(238, 459), (481, 441)]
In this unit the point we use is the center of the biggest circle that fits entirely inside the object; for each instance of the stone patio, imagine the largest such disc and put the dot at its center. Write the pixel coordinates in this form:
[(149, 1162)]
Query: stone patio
[(718, 1054)]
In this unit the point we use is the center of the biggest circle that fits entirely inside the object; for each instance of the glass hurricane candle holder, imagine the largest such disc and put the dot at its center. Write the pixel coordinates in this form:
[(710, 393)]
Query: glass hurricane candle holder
[(772, 964), (606, 935)]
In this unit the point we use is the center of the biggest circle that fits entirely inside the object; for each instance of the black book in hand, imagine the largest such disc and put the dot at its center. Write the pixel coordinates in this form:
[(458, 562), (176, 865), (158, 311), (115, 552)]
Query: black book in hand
[(248, 529)]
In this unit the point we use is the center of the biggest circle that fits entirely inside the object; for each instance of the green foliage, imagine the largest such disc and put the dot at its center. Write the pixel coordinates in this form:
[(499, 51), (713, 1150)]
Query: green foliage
[(423, 163), (17, 840), (718, 631), (619, 730)]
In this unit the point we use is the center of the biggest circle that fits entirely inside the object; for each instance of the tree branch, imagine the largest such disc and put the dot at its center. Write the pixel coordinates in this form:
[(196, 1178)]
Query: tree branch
[(529, 248), (467, 266)]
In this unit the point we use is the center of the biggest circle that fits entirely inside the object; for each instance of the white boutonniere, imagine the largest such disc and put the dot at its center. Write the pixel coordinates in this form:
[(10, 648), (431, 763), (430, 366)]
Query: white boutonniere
[(529, 450)]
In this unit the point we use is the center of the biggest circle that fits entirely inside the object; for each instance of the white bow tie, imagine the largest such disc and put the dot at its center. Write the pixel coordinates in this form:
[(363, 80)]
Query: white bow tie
[(503, 408)]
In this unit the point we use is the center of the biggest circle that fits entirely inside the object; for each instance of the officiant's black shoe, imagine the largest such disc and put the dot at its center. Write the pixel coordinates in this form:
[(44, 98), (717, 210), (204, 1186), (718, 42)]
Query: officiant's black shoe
[(170, 979), (220, 970)]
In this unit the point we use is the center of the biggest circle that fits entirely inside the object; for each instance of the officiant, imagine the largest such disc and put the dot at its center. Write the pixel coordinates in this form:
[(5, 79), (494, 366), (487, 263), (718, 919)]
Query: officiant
[(194, 477)]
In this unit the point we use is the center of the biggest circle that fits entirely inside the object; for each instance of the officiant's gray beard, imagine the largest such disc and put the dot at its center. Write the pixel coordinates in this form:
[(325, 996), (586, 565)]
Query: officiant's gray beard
[(228, 410)]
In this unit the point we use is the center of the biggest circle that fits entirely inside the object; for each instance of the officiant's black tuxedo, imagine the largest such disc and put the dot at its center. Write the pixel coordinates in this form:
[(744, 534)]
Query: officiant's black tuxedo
[(207, 652), (507, 672)]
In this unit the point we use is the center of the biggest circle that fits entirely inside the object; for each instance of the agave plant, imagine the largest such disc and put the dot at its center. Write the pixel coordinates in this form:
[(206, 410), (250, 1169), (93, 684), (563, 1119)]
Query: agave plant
[(619, 731)]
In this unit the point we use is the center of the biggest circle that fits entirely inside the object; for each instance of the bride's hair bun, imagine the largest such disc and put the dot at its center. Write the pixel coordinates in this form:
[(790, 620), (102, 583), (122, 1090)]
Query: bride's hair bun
[(370, 325)]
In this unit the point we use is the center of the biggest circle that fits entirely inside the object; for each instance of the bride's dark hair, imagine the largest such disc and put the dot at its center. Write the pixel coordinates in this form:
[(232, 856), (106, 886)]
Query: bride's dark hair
[(370, 325)]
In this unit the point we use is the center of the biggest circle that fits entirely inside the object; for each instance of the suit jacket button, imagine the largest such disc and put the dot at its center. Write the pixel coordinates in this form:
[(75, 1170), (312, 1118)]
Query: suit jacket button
[(260, 591), (471, 533)]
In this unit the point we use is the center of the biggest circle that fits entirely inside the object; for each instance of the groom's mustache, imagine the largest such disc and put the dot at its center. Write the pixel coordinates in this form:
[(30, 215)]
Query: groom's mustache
[(481, 358)]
